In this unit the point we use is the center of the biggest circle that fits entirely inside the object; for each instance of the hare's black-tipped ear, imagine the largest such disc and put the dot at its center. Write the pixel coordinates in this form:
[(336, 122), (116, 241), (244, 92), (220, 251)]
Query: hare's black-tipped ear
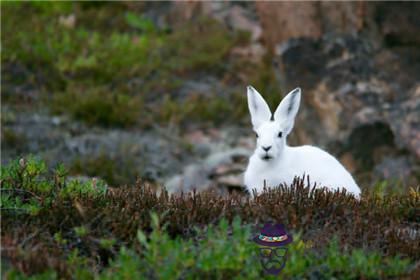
[(258, 108), (286, 112)]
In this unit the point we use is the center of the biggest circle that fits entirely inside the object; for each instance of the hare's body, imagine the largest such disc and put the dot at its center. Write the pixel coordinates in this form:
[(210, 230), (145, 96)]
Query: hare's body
[(274, 163), (322, 168)]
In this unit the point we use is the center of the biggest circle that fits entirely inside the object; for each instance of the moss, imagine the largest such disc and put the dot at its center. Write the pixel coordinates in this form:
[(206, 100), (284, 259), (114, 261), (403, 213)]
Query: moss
[(94, 166), (12, 140), (198, 45), (92, 67), (204, 109), (120, 53), (113, 171), (98, 105)]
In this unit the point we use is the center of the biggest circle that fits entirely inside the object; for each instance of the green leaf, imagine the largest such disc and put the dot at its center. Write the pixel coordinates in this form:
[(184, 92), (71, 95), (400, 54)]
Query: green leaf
[(141, 237)]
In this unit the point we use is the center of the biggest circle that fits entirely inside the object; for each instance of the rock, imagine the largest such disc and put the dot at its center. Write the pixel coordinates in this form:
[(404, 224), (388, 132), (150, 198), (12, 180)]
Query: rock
[(194, 177), (282, 21), (394, 168), (239, 18), (348, 161), (343, 17), (221, 170), (406, 32), (353, 95), (285, 20), (224, 157), (131, 154), (196, 137), (224, 169), (235, 181)]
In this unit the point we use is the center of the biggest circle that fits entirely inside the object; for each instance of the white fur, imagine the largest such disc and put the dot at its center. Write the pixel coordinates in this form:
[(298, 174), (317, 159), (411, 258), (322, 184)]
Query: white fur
[(284, 162)]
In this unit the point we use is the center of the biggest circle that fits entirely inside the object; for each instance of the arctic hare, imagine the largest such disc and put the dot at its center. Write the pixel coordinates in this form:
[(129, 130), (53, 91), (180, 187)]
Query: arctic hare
[(274, 162)]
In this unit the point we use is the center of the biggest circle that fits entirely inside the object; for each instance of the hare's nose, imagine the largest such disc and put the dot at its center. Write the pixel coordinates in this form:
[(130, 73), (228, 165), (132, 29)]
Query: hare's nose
[(266, 148)]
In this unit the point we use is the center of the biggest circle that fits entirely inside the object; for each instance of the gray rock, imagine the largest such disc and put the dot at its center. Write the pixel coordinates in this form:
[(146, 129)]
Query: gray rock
[(394, 168), (207, 173), (132, 153), (355, 99)]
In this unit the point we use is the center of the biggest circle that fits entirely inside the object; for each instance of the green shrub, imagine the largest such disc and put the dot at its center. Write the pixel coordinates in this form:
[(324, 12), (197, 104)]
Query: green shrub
[(226, 252), (26, 185), (99, 106), (25, 174), (198, 45), (216, 110), (73, 228), (105, 167), (140, 22)]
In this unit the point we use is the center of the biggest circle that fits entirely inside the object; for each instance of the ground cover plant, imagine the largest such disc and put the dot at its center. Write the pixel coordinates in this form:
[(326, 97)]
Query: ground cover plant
[(108, 77), (53, 227)]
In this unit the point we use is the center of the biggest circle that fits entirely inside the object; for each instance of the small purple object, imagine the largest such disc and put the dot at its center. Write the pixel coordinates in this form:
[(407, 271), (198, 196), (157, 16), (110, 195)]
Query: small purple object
[(273, 236)]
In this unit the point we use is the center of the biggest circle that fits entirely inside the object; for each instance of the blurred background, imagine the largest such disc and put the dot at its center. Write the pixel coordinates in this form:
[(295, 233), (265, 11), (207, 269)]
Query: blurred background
[(157, 90)]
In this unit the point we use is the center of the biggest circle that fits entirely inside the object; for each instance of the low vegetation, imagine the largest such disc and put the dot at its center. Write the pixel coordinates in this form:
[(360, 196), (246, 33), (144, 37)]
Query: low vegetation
[(55, 227), (117, 76)]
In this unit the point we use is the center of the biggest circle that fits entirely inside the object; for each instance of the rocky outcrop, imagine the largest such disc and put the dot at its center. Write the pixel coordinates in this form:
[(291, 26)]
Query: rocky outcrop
[(122, 155), (357, 98), (222, 169), (284, 20), (392, 23)]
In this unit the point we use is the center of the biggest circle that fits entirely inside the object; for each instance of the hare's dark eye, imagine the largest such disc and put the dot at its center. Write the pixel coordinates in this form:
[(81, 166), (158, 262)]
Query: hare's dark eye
[(256, 135), (280, 134)]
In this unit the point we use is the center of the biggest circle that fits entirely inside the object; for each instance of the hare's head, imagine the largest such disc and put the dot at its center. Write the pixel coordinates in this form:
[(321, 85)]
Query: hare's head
[(272, 129)]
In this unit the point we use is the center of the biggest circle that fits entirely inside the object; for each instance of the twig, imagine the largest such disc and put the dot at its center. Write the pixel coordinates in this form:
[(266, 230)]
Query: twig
[(22, 191), (29, 237)]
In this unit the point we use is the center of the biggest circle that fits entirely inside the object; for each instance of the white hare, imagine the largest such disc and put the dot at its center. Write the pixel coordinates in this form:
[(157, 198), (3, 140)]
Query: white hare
[(274, 162)]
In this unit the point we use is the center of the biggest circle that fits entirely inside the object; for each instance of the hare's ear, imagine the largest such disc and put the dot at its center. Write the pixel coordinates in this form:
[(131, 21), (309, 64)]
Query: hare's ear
[(258, 108), (286, 111)]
